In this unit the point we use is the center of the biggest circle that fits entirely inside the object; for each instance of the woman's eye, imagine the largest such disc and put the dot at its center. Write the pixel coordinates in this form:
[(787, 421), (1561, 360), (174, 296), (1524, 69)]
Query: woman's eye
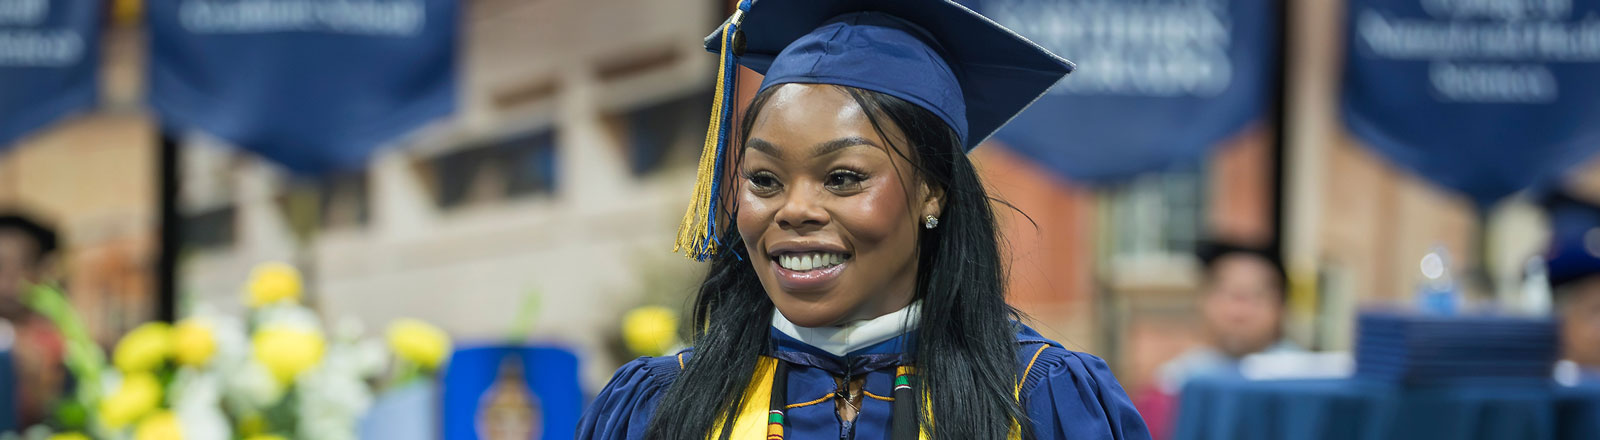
[(762, 181), (845, 180)]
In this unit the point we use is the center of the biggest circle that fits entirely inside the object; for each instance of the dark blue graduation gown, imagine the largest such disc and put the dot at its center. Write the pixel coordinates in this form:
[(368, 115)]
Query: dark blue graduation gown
[(1068, 395)]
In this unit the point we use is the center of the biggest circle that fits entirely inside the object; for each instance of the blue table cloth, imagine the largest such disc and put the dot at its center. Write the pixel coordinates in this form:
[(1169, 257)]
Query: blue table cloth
[(8, 392), (1234, 408)]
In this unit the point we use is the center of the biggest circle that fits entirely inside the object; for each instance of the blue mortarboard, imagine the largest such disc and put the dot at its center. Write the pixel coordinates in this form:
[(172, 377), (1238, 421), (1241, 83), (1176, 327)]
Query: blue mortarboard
[(971, 72), (1574, 252)]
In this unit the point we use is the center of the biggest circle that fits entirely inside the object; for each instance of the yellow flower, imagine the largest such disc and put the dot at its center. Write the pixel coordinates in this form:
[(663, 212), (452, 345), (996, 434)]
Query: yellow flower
[(159, 426), (193, 342), (419, 342), (138, 394), (650, 330), (287, 351), (145, 348), (272, 283), (69, 436)]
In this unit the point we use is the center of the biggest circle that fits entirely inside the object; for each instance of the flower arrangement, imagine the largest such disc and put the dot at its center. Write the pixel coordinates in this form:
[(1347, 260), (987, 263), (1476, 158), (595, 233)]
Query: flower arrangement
[(651, 330), (276, 374)]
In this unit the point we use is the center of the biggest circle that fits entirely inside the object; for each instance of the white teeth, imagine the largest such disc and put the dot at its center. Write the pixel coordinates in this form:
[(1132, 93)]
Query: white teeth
[(805, 262)]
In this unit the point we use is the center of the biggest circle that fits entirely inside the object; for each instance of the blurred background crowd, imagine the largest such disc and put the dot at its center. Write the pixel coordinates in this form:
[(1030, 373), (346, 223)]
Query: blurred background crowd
[(1219, 178)]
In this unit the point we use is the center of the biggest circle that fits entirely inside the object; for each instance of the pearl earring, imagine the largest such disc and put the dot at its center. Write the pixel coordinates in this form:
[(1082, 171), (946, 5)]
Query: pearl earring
[(930, 222)]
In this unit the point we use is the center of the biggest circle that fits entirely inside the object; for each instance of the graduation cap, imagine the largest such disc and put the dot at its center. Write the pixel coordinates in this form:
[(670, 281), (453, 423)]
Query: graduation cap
[(972, 73)]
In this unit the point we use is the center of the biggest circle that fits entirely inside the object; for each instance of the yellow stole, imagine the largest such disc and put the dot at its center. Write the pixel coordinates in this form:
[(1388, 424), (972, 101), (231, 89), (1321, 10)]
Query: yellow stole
[(752, 420)]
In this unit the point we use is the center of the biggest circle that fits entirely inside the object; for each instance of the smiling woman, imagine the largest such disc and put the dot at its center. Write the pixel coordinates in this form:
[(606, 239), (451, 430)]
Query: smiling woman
[(860, 291)]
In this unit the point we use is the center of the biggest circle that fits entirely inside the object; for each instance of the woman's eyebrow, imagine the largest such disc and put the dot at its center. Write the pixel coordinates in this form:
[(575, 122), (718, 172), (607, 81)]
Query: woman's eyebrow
[(833, 146), (822, 149)]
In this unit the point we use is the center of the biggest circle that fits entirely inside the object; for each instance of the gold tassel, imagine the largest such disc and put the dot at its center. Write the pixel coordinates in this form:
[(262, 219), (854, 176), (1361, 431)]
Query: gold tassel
[(694, 234)]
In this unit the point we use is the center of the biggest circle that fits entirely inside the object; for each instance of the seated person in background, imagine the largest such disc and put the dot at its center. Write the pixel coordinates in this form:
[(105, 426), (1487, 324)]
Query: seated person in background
[(1241, 304), (27, 251), (1573, 268)]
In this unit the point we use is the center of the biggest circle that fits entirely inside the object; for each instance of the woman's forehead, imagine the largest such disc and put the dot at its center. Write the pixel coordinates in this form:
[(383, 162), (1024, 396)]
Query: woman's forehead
[(813, 106), (801, 115)]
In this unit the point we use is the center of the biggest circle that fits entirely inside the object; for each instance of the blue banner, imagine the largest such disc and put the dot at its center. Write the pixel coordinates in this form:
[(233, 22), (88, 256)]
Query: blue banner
[(49, 62), (315, 85), (1486, 97), (503, 391), (1159, 82)]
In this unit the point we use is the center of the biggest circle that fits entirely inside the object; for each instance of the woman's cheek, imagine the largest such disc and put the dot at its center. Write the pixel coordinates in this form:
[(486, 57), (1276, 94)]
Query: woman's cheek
[(753, 217)]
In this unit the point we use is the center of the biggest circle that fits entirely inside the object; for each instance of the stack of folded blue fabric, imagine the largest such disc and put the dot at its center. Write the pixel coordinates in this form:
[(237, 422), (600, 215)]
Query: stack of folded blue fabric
[(1425, 349)]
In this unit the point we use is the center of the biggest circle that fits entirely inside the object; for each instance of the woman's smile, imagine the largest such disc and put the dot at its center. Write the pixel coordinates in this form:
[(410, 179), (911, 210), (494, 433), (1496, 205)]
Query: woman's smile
[(808, 268)]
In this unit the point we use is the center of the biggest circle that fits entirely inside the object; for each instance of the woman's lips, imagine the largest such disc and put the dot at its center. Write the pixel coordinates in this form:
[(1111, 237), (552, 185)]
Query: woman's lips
[(807, 281)]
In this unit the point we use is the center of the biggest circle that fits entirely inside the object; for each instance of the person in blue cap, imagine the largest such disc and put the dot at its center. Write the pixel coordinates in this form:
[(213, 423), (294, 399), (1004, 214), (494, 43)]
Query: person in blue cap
[(856, 285), (1572, 265)]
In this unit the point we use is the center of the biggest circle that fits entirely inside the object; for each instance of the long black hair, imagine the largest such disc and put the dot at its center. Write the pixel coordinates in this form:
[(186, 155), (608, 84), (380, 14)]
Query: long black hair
[(964, 350)]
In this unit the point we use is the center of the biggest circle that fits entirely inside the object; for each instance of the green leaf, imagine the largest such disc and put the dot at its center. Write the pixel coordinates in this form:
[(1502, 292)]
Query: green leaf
[(83, 357), (527, 316), (72, 415)]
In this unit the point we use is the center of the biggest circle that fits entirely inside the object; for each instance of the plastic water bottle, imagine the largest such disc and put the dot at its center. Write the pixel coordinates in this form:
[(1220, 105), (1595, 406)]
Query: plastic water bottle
[(1535, 293), (1439, 294)]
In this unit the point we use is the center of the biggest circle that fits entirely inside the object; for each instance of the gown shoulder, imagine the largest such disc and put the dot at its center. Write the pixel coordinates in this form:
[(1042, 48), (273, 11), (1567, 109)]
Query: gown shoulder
[(1073, 395), (623, 408)]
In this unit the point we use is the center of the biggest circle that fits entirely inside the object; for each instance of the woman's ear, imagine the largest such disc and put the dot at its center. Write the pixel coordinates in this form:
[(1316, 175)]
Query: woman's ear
[(933, 203)]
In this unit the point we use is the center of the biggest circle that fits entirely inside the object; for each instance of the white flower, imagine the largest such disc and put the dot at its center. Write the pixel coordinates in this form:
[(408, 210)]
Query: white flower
[(196, 396), (252, 388), (192, 387), (349, 329), (233, 342), (370, 358), (289, 315), (332, 413), (203, 422), (342, 395)]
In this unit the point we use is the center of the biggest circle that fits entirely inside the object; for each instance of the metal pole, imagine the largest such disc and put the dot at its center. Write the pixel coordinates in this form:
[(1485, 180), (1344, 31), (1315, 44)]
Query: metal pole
[(171, 224)]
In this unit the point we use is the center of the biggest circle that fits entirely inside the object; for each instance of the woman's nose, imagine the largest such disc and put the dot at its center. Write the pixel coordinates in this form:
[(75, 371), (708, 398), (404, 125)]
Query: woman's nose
[(802, 211)]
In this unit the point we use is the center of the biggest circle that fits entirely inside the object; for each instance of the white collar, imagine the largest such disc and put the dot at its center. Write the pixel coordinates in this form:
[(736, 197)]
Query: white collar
[(845, 339)]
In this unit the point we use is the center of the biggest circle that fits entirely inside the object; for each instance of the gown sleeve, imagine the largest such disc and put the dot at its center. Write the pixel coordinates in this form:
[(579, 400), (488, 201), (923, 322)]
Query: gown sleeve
[(1071, 395), (622, 410)]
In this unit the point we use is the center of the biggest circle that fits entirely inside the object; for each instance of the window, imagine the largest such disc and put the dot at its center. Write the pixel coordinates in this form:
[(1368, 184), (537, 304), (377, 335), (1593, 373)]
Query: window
[(210, 229), (513, 167), (668, 134), (1157, 215), (339, 201)]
